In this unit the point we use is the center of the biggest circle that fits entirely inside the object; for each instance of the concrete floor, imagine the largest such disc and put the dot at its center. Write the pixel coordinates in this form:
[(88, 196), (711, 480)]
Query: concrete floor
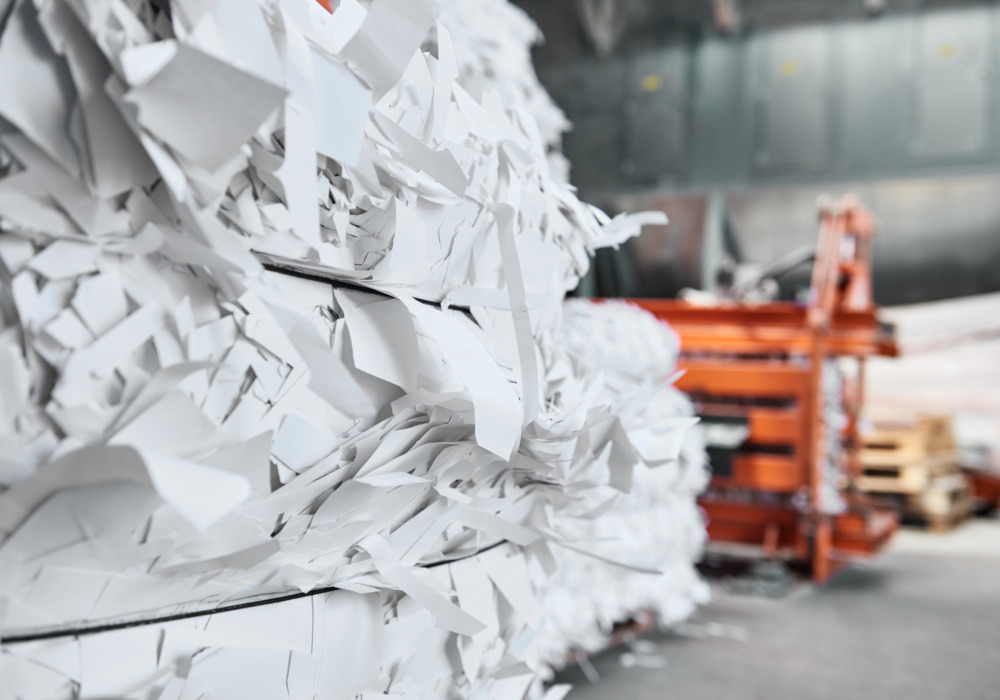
[(919, 622)]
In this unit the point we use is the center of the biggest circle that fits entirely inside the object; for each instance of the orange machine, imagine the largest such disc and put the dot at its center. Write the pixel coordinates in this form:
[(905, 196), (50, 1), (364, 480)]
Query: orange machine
[(762, 366)]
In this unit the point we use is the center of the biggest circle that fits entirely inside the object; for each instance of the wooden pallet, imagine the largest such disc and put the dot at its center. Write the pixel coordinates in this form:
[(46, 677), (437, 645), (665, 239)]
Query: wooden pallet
[(901, 439), (946, 502), (903, 455), (905, 476)]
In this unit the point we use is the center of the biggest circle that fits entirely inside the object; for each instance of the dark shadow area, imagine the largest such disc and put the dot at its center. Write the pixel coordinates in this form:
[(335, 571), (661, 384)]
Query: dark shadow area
[(856, 578)]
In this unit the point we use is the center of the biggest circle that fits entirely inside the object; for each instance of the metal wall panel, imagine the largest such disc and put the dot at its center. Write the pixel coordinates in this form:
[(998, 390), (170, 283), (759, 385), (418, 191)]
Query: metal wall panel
[(599, 85), (595, 92), (909, 94), (559, 83), (656, 115), (792, 81), (659, 74), (718, 138), (952, 105), (873, 93), (594, 149)]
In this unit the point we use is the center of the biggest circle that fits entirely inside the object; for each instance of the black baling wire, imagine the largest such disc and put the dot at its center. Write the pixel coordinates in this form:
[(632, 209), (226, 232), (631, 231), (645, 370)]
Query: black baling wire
[(113, 626)]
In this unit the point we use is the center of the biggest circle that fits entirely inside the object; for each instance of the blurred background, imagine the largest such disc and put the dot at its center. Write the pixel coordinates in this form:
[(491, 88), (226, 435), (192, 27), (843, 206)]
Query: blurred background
[(733, 115)]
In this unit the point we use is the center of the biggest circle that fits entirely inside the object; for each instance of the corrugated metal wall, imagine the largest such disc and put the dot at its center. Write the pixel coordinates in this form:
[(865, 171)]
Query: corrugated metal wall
[(896, 96), (901, 110)]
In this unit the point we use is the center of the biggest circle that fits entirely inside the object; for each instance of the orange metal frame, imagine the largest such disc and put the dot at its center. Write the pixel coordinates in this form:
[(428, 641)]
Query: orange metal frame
[(985, 487), (765, 362)]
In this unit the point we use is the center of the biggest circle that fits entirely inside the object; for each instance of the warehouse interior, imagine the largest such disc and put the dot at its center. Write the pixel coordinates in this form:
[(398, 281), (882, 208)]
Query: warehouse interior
[(735, 117), (499, 349)]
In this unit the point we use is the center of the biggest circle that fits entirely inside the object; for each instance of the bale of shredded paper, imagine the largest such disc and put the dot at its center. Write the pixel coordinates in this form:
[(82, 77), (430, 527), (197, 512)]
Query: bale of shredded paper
[(286, 410), (656, 527)]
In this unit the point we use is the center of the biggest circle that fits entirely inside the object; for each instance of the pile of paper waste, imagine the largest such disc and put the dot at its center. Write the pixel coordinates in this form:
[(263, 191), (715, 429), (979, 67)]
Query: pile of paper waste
[(291, 407), (655, 525), (834, 419)]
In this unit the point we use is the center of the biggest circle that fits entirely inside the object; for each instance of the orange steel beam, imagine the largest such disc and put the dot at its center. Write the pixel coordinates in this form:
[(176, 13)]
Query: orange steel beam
[(776, 327)]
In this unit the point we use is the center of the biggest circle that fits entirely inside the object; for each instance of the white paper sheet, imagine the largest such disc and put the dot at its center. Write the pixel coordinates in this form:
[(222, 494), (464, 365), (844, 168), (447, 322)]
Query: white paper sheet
[(199, 106)]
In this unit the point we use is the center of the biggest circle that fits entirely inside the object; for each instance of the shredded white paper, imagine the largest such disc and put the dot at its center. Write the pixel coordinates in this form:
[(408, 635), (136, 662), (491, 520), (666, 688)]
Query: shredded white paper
[(655, 524), (287, 409)]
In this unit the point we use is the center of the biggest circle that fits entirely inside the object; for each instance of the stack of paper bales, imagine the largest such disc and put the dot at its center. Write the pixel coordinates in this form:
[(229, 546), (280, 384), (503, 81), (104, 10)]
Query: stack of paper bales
[(288, 406), (948, 366), (834, 421), (656, 526)]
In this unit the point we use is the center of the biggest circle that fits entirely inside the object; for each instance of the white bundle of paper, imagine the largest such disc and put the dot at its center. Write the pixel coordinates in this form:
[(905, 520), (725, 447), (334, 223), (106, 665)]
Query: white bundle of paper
[(831, 457), (630, 343), (638, 555), (492, 40), (192, 442)]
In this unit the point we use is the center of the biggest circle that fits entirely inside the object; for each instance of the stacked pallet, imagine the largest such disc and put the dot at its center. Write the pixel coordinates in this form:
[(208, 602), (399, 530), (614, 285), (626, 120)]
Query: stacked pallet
[(947, 366), (915, 461)]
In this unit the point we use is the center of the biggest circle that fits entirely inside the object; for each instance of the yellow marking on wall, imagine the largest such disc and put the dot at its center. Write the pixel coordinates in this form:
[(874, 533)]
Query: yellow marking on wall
[(651, 82), (789, 68)]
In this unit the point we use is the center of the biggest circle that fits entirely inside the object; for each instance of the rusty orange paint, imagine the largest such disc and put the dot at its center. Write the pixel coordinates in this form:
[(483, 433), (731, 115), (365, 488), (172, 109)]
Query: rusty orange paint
[(765, 362)]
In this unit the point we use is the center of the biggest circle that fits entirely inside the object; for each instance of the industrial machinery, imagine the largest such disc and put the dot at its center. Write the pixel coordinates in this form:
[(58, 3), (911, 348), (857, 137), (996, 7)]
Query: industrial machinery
[(781, 430)]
